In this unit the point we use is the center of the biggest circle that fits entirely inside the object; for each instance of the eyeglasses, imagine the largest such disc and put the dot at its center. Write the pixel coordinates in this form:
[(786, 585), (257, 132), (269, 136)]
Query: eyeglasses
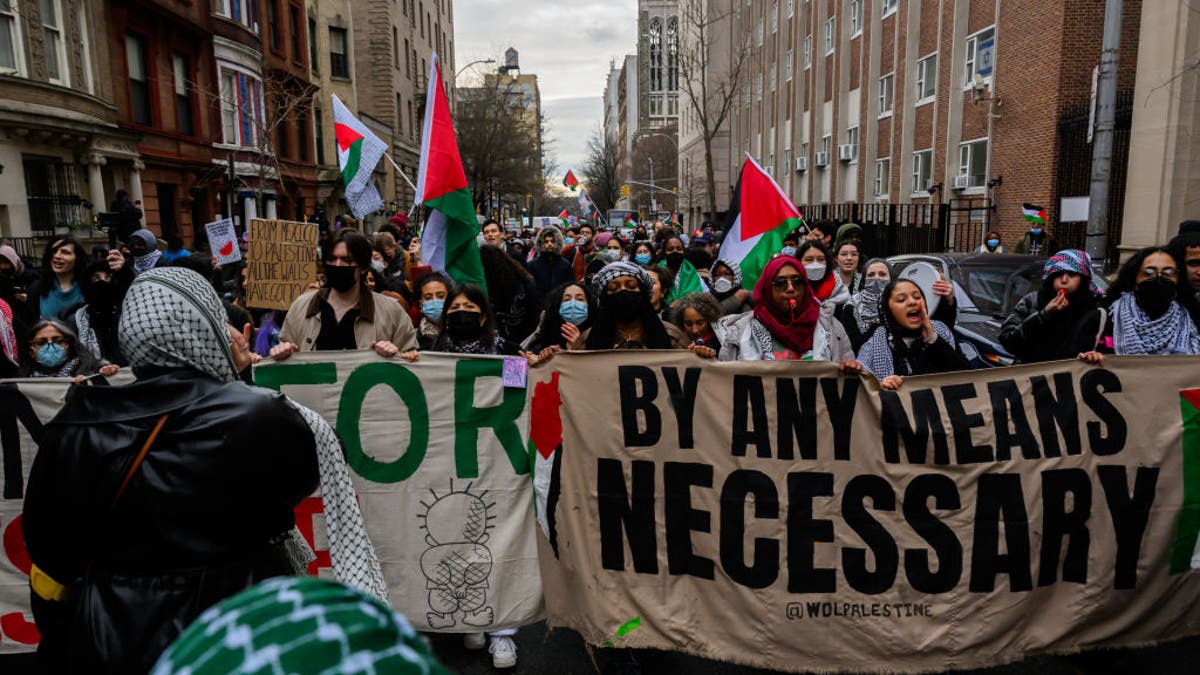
[(42, 342), (1166, 272), (782, 283)]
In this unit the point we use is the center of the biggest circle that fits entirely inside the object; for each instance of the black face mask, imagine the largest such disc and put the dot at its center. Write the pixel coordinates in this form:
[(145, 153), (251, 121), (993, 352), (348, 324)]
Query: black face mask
[(626, 305), (1155, 296), (100, 294), (463, 324), (341, 278), (674, 260)]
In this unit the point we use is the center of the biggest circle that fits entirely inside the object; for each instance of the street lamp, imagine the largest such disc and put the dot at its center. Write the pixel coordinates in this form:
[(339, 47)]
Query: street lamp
[(464, 68), (642, 133)]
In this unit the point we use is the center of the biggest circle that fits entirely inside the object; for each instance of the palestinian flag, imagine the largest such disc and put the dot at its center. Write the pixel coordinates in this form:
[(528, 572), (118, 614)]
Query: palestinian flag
[(629, 222), (1185, 548), (545, 454), (448, 240), (570, 180), (686, 281), (761, 215), (358, 152), (1034, 214)]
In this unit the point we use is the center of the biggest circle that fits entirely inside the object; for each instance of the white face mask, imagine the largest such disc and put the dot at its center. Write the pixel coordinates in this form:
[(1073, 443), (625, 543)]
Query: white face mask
[(815, 271), (378, 266), (723, 285)]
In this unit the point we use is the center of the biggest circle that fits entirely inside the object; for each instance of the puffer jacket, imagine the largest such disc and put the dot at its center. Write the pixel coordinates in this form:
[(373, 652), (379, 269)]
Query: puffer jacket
[(203, 517)]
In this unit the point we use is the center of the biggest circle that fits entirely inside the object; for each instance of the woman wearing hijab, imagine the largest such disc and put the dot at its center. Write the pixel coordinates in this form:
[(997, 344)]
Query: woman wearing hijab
[(569, 310), (860, 316), (787, 323), (59, 289), (54, 351), (907, 341), (220, 465), (1148, 309), (822, 273), (1060, 320), (625, 316), (143, 246), (104, 287), (725, 284)]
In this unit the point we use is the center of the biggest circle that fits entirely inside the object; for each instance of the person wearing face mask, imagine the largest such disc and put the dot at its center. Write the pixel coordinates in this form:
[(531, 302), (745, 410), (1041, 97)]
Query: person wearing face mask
[(908, 342), (469, 327), (625, 317), (569, 312), (143, 247), (54, 352), (821, 272), (104, 288), (1148, 309), (787, 324), (991, 244), (725, 284), (608, 248), (431, 292), (548, 267), (15, 278), (1060, 320), (393, 262), (1036, 242), (344, 314), (643, 254), (860, 316), (671, 253), (697, 314)]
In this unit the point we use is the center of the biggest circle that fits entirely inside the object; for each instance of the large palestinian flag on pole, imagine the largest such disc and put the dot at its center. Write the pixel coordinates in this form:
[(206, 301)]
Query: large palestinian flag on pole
[(448, 240), (358, 152), (761, 216)]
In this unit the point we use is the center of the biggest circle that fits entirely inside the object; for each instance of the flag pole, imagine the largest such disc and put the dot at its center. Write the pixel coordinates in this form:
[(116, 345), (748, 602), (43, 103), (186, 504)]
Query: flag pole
[(406, 180)]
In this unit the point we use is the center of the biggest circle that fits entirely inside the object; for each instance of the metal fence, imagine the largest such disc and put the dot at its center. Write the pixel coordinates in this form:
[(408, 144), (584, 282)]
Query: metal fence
[(896, 229)]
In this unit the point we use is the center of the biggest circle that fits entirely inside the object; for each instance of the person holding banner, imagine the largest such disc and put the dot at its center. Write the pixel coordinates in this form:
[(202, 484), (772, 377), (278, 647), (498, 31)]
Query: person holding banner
[(1060, 320), (697, 314), (54, 351), (432, 291), (787, 323), (860, 316), (569, 312), (625, 317), (907, 341), (345, 314)]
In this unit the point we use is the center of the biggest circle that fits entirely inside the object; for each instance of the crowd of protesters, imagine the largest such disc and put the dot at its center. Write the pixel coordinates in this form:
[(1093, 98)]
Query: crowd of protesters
[(182, 324)]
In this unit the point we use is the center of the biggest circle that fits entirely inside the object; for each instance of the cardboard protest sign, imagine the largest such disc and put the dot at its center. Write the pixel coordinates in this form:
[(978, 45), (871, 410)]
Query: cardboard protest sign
[(782, 516), (222, 239), (441, 469), (281, 262)]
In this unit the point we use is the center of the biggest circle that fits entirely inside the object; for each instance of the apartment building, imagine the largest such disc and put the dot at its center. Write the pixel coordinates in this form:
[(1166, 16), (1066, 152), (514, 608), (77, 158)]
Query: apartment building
[(972, 104)]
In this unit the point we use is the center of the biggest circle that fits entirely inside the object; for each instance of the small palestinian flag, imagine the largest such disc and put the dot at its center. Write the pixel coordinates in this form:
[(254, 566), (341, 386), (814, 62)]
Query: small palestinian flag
[(1185, 548), (570, 180), (1034, 214), (629, 222)]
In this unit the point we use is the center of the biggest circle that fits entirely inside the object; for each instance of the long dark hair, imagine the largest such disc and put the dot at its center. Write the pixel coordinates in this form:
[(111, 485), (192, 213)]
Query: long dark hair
[(476, 295), (81, 262), (505, 276), (604, 329), (1126, 280), (830, 263), (550, 330)]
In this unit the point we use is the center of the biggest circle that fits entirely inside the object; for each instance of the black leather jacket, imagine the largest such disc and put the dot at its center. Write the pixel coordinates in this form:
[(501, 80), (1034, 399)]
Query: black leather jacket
[(200, 520)]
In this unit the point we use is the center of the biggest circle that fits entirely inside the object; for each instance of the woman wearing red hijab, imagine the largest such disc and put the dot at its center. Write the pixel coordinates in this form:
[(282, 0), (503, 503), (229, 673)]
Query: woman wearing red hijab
[(787, 322)]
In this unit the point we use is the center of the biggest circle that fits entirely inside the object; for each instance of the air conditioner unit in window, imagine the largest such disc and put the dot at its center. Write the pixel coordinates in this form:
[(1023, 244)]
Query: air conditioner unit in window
[(960, 182), (847, 152), (822, 159), (801, 164)]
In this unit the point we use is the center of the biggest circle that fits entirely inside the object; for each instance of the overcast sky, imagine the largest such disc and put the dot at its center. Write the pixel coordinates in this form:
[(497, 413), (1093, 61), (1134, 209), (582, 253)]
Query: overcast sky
[(567, 45)]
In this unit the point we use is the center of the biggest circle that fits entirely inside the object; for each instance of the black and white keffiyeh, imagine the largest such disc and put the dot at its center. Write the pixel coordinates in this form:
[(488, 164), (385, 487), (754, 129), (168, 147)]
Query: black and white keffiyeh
[(1136, 333), (87, 335), (621, 268), (866, 305), (490, 342)]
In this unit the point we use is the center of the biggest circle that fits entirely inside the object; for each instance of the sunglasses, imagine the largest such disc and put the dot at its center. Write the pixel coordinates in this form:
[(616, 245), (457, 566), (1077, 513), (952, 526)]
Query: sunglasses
[(782, 283)]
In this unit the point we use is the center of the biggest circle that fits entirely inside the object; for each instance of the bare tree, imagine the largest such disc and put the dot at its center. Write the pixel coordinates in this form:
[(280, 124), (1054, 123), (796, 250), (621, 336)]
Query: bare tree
[(710, 81), (500, 148), (600, 171)]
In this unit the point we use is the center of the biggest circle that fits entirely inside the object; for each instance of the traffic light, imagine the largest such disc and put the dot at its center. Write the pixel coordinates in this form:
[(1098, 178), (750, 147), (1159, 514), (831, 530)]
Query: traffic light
[(625, 191)]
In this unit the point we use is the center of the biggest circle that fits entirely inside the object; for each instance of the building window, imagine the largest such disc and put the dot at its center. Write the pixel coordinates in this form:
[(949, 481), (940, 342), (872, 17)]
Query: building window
[(395, 48), (319, 133), (758, 86), (673, 54), (787, 68), (85, 43), (11, 57), (52, 194), (774, 18), (297, 43), (978, 57), (852, 141), (885, 94), (283, 144), (889, 7), (972, 161), (241, 107), (312, 45), (926, 79), (242, 11), (830, 35), (791, 8), (183, 97), (921, 167), (758, 33), (771, 74), (856, 17), (139, 81), (827, 144), (656, 59), (807, 51), (339, 60), (56, 48), (883, 177), (273, 25)]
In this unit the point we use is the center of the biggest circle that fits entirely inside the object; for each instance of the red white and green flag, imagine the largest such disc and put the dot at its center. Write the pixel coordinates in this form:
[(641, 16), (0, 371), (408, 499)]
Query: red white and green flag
[(1034, 214), (1185, 548), (762, 215), (686, 281), (629, 222), (570, 180), (358, 152), (448, 240)]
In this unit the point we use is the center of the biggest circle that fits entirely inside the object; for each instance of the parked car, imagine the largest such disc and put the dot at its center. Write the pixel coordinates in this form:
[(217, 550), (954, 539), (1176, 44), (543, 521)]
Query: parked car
[(987, 286)]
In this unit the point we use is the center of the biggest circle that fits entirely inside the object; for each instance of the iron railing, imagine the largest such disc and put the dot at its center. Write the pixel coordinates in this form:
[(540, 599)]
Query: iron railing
[(896, 229)]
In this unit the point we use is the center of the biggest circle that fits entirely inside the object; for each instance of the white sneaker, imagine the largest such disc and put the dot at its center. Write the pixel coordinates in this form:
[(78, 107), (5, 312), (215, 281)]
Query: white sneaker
[(475, 641), (504, 652)]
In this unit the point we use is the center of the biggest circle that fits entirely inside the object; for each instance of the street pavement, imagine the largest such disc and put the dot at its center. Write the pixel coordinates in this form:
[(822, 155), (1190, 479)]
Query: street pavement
[(562, 652)]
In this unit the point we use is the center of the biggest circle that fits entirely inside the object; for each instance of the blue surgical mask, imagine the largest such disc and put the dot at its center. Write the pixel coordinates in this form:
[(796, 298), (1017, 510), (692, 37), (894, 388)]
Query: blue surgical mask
[(51, 355), (642, 258), (788, 251), (993, 243), (432, 309), (573, 311), (569, 241), (1035, 230)]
